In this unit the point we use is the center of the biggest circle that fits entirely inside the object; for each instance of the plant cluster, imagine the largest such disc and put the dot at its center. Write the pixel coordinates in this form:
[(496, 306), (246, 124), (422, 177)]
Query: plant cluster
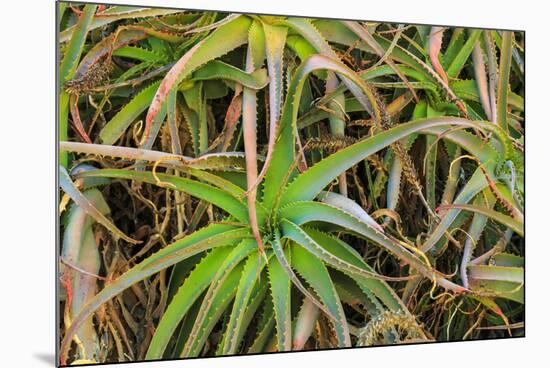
[(235, 183)]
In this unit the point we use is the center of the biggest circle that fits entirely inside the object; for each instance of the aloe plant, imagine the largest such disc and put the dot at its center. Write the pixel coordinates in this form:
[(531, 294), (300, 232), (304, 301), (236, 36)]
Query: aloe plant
[(241, 222)]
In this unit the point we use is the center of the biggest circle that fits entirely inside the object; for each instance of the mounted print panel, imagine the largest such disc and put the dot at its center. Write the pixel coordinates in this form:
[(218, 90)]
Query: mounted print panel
[(236, 184)]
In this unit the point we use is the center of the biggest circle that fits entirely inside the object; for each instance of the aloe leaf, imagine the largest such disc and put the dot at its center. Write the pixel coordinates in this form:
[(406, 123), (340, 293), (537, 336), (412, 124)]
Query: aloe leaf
[(508, 260), (220, 302), (481, 80), (498, 273), (202, 118), (251, 271), (350, 206), (362, 92), (430, 161), (337, 123), (316, 275), (302, 48), (209, 237), (303, 212), (264, 327), (195, 100), (215, 69), (435, 41), (195, 188), (279, 253), (394, 183), (72, 191), (197, 281), (317, 114), (351, 294), (305, 322), (338, 33), (194, 167), (364, 35), (224, 39), (274, 45), (77, 220), (249, 112), (279, 282), (76, 44), (453, 47), (297, 234), (84, 289), (257, 298), (309, 183), (214, 25), (453, 70), (228, 161), (475, 184), (500, 289), (114, 14), (370, 286), (507, 221), (229, 265), (80, 250), (185, 329), (67, 70), (138, 53), (283, 153), (256, 43), (180, 272), (63, 125), (501, 281), (503, 79), (371, 75), (385, 70), (477, 226), (158, 36), (115, 128), (106, 46), (60, 12)]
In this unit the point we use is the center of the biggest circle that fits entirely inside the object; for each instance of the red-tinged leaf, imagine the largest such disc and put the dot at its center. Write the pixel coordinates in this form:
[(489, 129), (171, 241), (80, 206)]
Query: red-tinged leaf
[(224, 39), (77, 122), (436, 38)]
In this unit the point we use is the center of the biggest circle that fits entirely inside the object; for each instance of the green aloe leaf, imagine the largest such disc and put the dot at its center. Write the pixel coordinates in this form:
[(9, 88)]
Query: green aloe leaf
[(115, 128), (308, 184), (195, 188), (113, 14), (225, 38), (67, 70), (296, 214), (187, 294), (500, 281), (76, 45), (504, 79), (297, 234), (72, 191), (283, 153), (279, 283), (453, 70), (216, 69), (209, 237), (508, 221), (316, 275), (217, 306), (231, 263), (249, 278), (138, 53), (370, 286)]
